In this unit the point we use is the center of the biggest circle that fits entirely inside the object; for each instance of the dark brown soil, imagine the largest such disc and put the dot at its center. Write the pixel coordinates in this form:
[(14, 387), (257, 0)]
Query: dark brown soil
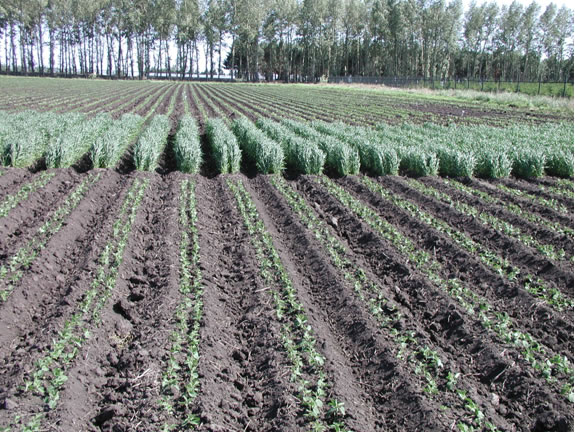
[(114, 381)]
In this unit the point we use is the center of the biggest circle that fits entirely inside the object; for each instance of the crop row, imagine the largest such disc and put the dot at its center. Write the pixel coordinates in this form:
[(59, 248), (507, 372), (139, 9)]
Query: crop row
[(308, 148), (13, 270), (50, 370), (514, 208), (297, 336), (552, 367), (492, 221), (489, 258), (438, 377), (180, 379)]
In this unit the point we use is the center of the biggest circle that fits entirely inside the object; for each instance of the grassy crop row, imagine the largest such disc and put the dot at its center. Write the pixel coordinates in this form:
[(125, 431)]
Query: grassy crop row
[(226, 152), (151, 143), (258, 149), (187, 147), (109, 147), (463, 151), (341, 158), (301, 155)]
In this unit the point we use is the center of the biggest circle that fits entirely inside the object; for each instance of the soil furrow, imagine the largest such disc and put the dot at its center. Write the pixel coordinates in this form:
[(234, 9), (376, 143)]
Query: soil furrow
[(538, 231), (373, 378), (22, 222), (528, 187), (542, 246), (525, 309), (492, 363), (243, 368), (506, 247), (30, 317), (12, 180), (119, 378)]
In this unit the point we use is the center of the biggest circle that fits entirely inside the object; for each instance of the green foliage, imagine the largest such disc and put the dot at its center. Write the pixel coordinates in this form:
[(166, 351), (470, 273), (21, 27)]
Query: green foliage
[(376, 158), (301, 155), (528, 163), (416, 163), (187, 145), (266, 154), (224, 146), (341, 158), (151, 143), (75, 140), (109, 147)]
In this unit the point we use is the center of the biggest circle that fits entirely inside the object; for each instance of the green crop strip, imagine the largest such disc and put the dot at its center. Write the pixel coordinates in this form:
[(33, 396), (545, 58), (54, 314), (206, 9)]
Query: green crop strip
[(13, 270), (423, 360), (548, 202), (511, 207), (197, 103), (561, 189), (501, 266), (181, 370), (49, 374), (490, 220), (565, 185), (307, 364), (11, 201), (555, 369)]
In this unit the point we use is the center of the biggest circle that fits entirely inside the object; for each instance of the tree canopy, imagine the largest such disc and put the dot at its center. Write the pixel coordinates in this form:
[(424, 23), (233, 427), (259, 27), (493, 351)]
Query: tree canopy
[(289, 40)]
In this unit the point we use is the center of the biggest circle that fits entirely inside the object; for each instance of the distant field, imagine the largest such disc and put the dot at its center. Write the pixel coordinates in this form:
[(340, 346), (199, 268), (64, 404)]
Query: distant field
[(213, 257)]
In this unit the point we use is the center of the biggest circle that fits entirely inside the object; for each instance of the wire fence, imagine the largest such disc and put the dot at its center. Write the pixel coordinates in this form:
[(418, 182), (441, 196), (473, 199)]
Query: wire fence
[(562, 89)]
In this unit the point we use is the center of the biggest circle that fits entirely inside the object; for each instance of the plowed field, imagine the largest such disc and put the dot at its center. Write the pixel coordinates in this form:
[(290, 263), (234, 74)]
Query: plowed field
[(147, 301)]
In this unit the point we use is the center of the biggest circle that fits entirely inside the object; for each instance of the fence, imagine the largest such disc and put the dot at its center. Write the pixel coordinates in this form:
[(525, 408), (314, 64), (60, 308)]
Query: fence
[(564, 89)]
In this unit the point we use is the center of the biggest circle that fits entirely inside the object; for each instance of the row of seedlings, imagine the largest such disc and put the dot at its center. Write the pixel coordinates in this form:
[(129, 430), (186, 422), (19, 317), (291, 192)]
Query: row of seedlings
[(562, 187), (440, 377), (111, 105), (12, 200), (555, 368), (224, 147), (232, 107), (340, 159), (307, 363), (301, 155), (13, 271), (513, 208), (49, 373), (257, 149), (551, 203), (489, 220), (180, 379), (151, 143), (501, 266), (196, 101)]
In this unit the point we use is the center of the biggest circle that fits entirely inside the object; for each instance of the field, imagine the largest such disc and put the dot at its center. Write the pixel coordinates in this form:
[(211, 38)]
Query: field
[(318, 258)]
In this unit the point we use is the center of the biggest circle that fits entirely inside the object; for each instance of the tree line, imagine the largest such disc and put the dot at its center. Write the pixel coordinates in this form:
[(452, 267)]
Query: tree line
[(288, 40)]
